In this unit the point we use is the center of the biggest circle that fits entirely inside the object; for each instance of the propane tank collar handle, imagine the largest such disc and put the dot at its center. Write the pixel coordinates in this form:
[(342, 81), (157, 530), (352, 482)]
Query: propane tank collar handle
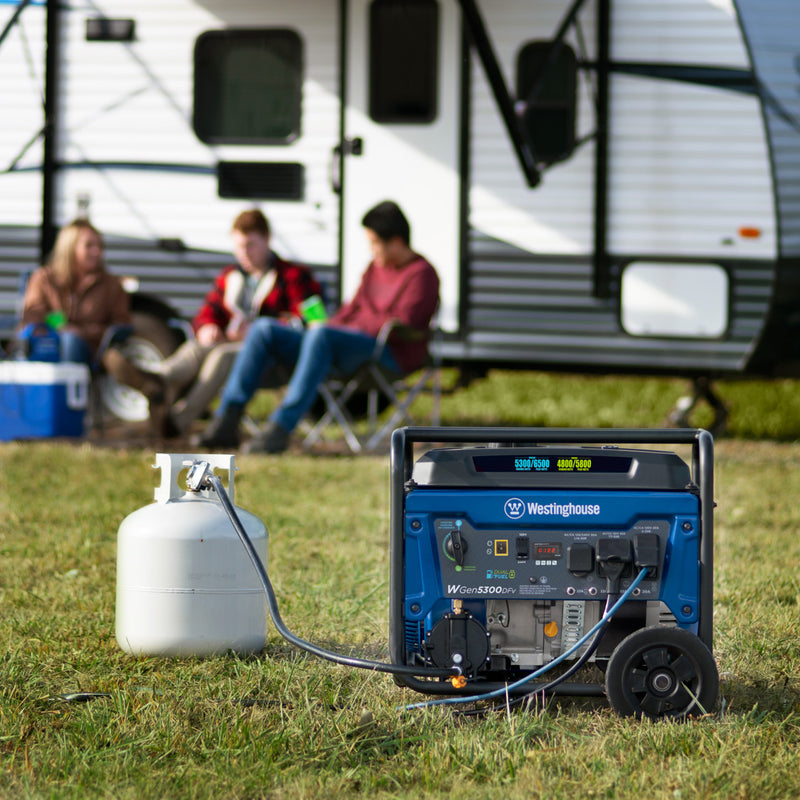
[(196, 482)]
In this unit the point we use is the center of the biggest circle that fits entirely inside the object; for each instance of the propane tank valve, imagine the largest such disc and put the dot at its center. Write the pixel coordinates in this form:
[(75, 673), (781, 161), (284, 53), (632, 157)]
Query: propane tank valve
[(197, 478)]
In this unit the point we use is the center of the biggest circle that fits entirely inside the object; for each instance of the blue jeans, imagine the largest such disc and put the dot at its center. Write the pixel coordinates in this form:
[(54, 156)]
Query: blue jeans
[(75, 348), (313, 355)]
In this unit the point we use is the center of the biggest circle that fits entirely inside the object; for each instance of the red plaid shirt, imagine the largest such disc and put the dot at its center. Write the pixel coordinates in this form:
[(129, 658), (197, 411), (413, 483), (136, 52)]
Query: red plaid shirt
[(292, 285)]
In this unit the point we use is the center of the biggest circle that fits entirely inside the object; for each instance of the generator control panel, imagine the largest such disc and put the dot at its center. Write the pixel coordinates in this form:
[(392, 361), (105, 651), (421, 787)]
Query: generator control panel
[(547, 563)]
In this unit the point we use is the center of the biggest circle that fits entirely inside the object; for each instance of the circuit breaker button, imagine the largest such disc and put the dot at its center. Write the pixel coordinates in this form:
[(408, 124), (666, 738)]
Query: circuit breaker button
[(580, 558)]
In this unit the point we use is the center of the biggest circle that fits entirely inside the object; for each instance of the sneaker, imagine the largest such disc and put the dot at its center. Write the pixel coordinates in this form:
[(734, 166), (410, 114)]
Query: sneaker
[(273, 439)]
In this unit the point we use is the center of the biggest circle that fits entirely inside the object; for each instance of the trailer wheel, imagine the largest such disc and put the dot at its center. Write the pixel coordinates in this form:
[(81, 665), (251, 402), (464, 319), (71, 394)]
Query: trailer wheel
[(150, 343), (661, 672)]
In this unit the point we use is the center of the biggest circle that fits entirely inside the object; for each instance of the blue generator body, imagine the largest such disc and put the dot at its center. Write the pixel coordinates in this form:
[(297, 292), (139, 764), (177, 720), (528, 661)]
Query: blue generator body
[(510, 547)]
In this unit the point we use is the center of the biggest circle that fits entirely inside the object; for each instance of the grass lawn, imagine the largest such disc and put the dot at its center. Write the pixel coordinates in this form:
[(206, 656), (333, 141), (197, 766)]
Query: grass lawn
[(285, 725)]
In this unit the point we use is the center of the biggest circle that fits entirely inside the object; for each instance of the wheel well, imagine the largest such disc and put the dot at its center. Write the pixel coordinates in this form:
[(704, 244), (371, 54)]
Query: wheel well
[(148, 304)]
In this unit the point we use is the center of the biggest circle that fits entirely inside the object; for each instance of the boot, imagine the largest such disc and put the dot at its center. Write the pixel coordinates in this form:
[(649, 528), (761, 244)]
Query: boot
[(273, 439), (222, 431)]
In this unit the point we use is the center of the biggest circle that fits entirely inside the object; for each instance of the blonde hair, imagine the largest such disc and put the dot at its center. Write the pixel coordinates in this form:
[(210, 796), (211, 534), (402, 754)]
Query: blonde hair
[(62, 257)]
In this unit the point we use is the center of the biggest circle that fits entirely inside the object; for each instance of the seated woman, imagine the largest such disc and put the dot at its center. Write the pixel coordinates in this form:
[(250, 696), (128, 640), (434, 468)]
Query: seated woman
[(93, 307)]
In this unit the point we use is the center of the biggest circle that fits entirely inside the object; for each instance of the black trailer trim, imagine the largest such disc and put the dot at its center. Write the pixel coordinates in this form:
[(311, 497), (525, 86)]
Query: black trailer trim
[(50, 151), (734, 80), (602, 288)]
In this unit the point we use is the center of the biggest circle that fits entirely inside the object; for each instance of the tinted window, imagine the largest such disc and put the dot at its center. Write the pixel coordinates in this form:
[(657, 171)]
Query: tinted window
[(403, 57), (260, 181), (547, 86), (247, 86)]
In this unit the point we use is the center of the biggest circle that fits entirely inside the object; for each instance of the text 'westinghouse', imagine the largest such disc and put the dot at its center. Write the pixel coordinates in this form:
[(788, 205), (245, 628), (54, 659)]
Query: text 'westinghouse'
[(563, 509)]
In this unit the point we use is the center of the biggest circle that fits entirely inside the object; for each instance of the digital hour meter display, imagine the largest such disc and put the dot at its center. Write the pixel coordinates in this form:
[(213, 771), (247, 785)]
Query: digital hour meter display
[(547, 550)]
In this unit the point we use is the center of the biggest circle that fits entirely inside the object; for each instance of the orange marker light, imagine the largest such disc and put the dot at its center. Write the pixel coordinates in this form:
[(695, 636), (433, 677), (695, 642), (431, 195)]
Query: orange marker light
[(749, 233)]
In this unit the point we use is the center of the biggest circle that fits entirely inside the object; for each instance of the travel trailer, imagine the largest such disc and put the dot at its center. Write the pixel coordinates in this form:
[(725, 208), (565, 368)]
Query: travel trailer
[(602, 184)]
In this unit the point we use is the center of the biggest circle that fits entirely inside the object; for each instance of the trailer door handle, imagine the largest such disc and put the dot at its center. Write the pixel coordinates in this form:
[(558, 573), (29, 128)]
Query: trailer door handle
[(354, 146), (348, 147)]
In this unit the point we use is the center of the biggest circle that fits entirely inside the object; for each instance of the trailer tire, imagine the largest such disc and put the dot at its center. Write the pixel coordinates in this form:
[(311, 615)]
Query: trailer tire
[(661, 672), (150, 343)]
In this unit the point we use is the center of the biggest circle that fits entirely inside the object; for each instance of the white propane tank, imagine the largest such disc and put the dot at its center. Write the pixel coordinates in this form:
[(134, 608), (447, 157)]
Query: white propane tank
[(185, 585)]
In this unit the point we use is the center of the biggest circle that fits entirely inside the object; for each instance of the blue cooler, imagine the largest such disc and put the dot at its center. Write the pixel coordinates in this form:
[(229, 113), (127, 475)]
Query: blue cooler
[(40, 399)]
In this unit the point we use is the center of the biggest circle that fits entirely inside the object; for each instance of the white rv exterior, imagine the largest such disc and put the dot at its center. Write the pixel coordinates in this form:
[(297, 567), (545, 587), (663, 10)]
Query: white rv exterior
[(666, 236)]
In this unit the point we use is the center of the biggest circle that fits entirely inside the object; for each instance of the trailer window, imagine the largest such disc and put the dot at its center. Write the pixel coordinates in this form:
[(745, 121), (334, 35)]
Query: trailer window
[(546, 87), (403, 57), (247, 86)]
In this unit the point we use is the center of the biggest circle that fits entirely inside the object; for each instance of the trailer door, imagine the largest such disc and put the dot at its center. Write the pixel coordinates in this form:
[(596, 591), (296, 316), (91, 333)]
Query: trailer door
[(401, 131)]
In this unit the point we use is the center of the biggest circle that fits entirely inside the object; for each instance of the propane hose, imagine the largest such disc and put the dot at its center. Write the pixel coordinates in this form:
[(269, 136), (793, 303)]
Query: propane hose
[(201, 476)]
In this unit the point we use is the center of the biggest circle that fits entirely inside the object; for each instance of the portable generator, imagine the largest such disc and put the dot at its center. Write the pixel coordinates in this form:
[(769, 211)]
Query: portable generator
[(509, 546)]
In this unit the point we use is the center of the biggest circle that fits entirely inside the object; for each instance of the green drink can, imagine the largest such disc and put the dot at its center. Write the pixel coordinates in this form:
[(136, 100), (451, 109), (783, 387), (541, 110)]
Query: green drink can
[(313, 309), (56, 320)]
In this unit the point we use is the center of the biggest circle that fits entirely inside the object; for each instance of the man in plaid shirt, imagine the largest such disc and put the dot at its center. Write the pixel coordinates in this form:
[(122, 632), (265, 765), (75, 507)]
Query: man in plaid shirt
[(258, 284)]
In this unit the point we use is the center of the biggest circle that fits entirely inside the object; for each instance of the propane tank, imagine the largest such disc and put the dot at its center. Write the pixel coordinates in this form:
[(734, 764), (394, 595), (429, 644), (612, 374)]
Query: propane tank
[(185, 585)]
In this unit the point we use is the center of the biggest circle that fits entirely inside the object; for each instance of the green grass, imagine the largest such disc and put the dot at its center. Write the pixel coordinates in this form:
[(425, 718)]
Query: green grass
[(759, 409), (285, 725)]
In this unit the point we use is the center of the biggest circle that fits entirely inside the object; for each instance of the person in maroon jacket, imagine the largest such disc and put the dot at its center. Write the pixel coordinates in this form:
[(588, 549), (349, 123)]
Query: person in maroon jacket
[(398, 285), (258, 284)]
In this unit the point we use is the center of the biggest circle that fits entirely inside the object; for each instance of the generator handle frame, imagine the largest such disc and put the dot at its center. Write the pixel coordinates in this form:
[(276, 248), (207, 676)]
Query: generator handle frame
[(401, 464)]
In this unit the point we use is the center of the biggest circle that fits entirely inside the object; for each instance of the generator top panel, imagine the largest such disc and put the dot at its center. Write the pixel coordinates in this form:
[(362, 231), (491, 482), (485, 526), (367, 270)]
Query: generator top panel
[(552, 467)]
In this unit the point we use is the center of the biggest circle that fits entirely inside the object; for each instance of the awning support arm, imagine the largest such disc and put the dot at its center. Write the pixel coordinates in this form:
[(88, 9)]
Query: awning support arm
[(480, 40)]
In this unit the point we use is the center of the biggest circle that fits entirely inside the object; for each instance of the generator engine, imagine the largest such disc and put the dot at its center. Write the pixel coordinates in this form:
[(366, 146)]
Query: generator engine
[(509, 548)]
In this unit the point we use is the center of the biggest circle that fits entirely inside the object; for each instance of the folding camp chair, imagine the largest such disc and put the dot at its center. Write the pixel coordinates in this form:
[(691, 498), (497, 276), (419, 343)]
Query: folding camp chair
[(378, 383)]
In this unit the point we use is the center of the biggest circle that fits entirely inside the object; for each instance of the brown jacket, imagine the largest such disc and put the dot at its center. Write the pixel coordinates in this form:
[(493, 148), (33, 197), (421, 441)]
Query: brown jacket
[(97, 302)]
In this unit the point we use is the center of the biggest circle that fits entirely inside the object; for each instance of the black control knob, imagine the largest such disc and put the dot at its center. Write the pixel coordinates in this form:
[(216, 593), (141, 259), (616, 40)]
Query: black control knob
[(456, 546)]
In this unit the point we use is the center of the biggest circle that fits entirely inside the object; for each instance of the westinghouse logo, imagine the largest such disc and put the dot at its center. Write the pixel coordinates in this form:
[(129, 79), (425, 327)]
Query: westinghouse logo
[(515, 508)]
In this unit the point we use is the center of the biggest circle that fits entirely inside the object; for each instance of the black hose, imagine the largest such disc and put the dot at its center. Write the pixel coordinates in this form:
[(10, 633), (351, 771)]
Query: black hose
[(272, 604)]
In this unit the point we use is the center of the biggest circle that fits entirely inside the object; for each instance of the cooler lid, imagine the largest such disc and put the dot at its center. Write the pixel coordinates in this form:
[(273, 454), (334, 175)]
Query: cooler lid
[(42, 373)]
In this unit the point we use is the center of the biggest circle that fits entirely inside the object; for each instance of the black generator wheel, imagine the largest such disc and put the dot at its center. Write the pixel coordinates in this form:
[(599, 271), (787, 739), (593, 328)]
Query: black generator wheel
[(661, 672)]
